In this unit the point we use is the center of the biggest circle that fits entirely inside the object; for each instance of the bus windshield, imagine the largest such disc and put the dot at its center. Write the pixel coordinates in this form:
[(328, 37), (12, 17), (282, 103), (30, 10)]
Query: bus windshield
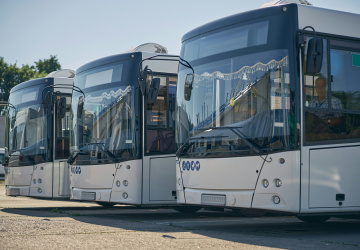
[(248, 93), (27, 137), (105, 118)]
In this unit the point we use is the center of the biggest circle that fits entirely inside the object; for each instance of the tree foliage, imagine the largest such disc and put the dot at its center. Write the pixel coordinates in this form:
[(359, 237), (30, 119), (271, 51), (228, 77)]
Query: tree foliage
[(11, 74)]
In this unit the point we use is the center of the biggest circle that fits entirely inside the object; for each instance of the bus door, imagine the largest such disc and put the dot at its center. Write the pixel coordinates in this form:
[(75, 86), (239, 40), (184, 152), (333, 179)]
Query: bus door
[(332, 128), (159, 148), (61, 183)]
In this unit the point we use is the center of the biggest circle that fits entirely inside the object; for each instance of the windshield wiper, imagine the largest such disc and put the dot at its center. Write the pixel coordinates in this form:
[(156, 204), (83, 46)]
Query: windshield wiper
[(73, 156), (111, 155), (28, 157), (238, 133)]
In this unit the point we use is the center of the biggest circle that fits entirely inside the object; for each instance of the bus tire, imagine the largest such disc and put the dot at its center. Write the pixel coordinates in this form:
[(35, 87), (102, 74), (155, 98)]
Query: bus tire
[(313, 219), (187, 209), (105, 204), (249, 212)]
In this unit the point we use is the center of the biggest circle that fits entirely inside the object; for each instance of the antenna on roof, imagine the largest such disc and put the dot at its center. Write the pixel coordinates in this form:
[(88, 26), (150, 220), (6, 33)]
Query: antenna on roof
[(281, 2)]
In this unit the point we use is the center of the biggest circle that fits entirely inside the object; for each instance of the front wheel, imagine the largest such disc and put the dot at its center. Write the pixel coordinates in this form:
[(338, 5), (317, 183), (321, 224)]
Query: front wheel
[(249, 212), (313, 219), (105, 204), (187, 209)]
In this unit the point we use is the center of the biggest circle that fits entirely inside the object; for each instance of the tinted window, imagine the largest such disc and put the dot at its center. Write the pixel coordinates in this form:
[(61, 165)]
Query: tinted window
[(236, 38), (160, 118), (332, 101)]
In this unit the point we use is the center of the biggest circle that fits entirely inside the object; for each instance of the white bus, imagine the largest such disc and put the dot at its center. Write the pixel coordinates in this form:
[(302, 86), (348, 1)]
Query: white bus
[(268, 118), (38, 137), (123, 130), (2, 170)]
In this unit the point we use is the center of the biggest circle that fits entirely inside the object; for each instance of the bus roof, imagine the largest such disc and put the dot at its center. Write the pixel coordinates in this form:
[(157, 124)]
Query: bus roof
[(323, 20), (32, 83), (329, 21), (121, 57)]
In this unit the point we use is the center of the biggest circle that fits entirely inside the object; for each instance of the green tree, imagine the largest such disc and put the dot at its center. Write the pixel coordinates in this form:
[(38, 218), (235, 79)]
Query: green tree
[(11, 74), (48, 65)]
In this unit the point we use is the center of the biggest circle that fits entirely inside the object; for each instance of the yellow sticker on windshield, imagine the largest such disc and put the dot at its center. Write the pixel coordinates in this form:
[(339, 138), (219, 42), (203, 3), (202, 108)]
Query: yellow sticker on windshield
[(232, 102)]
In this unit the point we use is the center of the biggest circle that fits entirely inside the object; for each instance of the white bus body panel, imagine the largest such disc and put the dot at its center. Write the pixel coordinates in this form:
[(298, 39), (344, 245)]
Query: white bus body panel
[(107, 183), (131, 172), (46, 180), (289, 191), (50, 180), (98, 179), (43, 188), (224, 177), (18, 180), (329, 21), (327, 172), (61, 180), (159, 180)]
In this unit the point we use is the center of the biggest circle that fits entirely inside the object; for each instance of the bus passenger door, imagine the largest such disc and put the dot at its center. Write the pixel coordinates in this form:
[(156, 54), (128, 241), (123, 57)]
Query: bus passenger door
[(159, 148), (61, 183), (332, 130)]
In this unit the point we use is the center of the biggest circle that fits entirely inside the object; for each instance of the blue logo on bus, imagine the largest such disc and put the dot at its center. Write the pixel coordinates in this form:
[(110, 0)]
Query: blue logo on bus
[(187, 165), (76, 170), (197, 166), (192, 165)]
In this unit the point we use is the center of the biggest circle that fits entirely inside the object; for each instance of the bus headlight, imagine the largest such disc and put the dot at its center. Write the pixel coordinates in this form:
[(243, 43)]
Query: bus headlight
[(39, 181), (126, 183), (265, 183), (39, 190), (118, 183), (276, 199), (125, 195), (278, 182), (34, 181)]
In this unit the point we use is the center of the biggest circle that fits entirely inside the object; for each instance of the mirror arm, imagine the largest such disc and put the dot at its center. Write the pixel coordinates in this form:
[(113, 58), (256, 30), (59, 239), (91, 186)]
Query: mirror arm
[(5, 103)]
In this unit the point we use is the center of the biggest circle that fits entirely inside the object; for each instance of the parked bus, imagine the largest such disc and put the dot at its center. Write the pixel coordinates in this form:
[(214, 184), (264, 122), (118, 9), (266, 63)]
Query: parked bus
[(2, 170), (38, 137), (268, 117), (123, 128)]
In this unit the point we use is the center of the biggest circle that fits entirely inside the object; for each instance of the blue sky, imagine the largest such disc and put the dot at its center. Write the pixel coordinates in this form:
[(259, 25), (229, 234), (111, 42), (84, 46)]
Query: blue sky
[(79, 31)]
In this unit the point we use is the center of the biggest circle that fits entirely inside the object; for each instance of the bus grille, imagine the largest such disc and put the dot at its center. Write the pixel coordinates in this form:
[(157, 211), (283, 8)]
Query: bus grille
[(14, 191), (212, 199), (90, 196)]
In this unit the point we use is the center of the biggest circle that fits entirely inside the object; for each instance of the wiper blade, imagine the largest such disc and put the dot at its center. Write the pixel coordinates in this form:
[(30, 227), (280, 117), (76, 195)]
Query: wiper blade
[(107, 152), (28, 157), (250, 144), (210, 136), (73, 156)]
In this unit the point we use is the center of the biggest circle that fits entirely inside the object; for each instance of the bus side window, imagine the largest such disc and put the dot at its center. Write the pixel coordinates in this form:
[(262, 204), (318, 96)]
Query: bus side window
[(341, 118), (160, 120)]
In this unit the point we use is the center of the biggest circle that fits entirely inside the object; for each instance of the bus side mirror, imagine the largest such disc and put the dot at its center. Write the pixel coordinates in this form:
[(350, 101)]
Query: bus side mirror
[(314, 56), (46, 100), (62, 107), (80, 107), (142, 79), (12, 122), (153, 90), (188, 86)]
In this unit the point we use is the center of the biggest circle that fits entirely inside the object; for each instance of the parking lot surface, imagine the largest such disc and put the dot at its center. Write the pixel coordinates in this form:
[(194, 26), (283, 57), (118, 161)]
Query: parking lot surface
[(27, 223)]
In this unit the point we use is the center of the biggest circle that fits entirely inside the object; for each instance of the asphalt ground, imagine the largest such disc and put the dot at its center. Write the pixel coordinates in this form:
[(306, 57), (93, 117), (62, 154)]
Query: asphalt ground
[(28, 223)]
